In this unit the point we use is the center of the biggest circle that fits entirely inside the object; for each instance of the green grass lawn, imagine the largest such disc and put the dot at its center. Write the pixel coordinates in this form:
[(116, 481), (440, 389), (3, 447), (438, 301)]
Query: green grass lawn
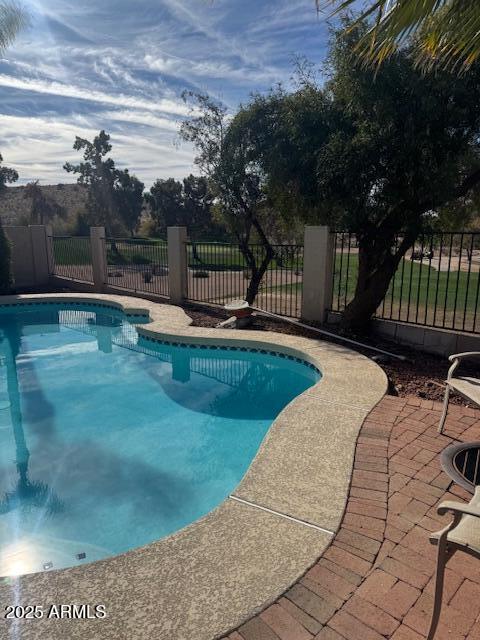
[(126, 252), (72, 251), (76, 251), (414, 282), (440, 298), (225, 256)]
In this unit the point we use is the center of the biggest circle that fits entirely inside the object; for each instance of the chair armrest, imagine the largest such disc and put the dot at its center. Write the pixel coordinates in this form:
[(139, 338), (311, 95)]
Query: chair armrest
[(459, 508), (456, 358), (466, 354)]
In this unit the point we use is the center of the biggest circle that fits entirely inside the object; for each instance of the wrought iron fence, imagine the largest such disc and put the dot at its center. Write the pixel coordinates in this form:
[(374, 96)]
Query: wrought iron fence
[(218, 273), (72, 258), (437, 283), (138, 264)]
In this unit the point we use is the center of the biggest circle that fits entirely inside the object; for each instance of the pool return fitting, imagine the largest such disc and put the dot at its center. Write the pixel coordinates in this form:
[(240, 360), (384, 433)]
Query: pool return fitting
[(242, 318)]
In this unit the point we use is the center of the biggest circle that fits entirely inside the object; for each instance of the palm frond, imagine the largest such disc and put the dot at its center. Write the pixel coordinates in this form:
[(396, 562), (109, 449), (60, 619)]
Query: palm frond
[(13, 19), (447, 32)]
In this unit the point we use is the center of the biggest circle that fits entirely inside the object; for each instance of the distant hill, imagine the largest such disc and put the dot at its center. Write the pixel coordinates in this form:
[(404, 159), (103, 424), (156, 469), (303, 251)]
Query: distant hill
[(15, 207)]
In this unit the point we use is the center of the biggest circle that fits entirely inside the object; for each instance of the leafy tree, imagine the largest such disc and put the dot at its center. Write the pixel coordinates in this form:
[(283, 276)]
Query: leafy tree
[(166, 204), (115, 197), (98, 174), (6, 176), (197, 200), (43, 209), (79, 224), (458, 214), (447, 30), (198, 205), (188, 203), (236, 184), (377, 153), (129, 199)]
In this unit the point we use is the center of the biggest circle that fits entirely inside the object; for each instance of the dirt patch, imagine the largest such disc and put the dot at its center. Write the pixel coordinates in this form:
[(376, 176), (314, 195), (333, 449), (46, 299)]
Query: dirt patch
[(421, 375)]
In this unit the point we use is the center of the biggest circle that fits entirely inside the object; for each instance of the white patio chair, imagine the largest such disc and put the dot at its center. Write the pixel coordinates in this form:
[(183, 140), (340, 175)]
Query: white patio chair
[(468, 387), (462, 463)]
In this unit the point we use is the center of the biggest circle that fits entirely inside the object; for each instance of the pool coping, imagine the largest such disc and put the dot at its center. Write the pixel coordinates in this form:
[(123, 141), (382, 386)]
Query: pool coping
[(219, 571)]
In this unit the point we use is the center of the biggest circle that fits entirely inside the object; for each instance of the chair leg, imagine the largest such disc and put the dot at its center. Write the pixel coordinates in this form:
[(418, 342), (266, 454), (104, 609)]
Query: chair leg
[(437, 602), (445, 409)]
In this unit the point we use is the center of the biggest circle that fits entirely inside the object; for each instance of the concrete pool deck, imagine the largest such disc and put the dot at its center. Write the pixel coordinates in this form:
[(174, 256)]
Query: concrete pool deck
[(216, 573)]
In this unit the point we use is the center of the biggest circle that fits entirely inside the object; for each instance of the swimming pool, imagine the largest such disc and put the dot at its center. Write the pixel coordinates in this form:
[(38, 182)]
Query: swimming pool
[(109, 441)]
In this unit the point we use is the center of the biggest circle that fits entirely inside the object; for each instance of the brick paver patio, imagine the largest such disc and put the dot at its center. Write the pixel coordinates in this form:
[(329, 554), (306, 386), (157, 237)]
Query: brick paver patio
[(375, 580)]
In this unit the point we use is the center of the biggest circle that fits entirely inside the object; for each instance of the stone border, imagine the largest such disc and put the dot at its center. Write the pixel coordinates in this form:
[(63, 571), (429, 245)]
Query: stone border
[(323, 594), (220, 570)]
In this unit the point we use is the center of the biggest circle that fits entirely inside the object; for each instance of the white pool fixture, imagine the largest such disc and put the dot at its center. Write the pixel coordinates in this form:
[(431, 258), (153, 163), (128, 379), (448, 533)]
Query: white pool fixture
[(242, 315), (239, 308)]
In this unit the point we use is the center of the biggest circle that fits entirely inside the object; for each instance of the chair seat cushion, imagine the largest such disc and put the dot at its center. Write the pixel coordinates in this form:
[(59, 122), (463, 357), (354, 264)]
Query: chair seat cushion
[(468, 387)]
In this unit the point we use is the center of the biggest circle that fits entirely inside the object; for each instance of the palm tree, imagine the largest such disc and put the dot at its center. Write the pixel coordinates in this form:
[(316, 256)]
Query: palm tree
[(12, 19), (26, 493), (447, 32)]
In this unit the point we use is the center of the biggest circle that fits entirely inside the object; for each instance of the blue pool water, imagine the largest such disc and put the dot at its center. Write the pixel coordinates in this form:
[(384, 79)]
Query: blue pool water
[(109, 441)]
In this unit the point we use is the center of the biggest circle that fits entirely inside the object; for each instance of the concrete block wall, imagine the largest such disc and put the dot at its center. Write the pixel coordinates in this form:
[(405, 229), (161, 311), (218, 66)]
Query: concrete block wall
[(22, 255), (441, 342), (29, 256), (429, 339)]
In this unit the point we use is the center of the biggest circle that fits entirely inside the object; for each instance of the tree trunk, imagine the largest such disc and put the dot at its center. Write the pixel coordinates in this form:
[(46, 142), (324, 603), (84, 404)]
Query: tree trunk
[(375, 270), (257, 270), (195, 254), (257, 274), (253, 286)]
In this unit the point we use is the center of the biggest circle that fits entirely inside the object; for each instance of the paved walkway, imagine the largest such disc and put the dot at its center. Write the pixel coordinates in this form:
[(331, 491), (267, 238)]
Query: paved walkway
[(376, 579)]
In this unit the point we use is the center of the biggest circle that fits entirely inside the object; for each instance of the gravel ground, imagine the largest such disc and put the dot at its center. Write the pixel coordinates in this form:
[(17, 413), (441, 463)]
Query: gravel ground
[(421, 375)]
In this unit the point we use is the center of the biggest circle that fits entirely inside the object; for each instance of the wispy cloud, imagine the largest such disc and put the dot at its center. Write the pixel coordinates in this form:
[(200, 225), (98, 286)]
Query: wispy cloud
[(122, 66), (38, 147), (209, 69), (79, 93)]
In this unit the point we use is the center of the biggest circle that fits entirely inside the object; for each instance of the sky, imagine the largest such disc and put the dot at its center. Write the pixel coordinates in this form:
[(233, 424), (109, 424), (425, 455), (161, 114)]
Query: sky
[(121, 65)]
